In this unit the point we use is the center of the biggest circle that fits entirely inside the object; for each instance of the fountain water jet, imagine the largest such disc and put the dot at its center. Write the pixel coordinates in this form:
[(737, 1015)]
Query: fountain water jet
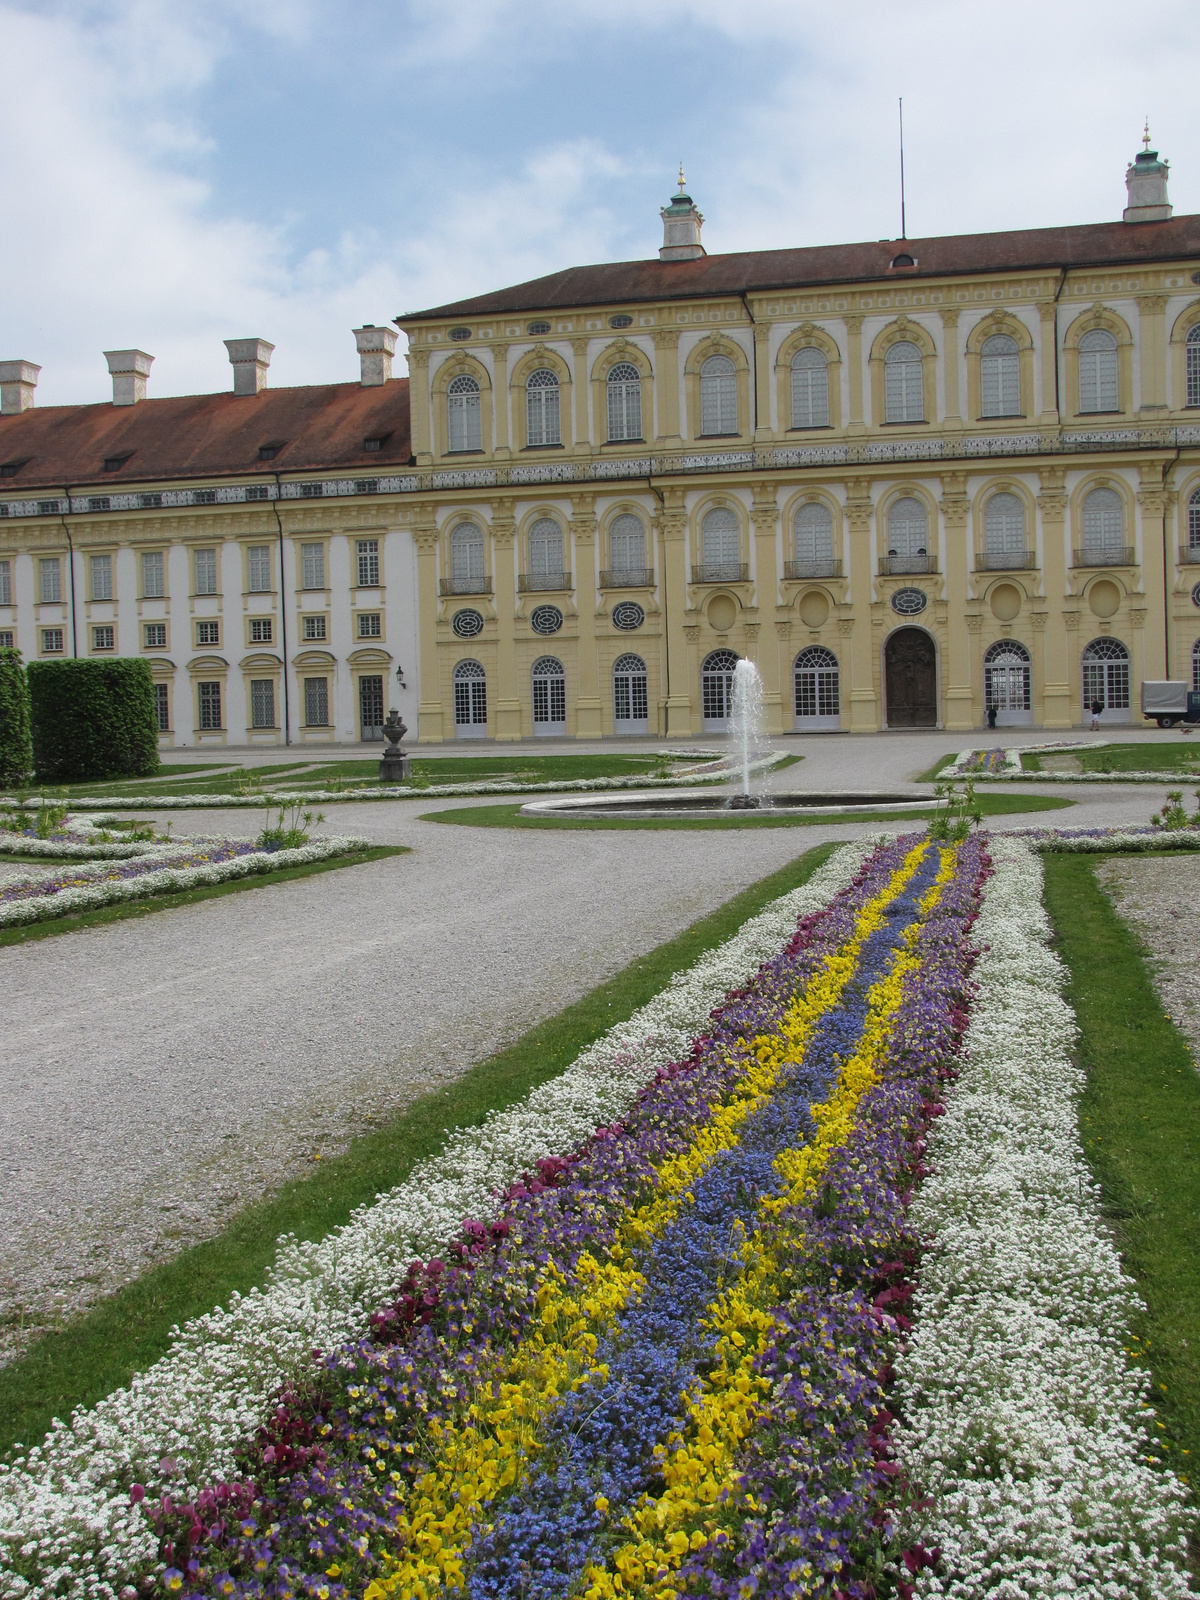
[(746, 726)]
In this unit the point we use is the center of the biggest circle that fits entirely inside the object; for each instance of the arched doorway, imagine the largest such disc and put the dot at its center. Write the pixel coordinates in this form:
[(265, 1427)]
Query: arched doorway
[(549, 696), (910, 672), (716, 690), (470, 701), (631, 708), (815, 681), (1106, 679), (1007, 683)]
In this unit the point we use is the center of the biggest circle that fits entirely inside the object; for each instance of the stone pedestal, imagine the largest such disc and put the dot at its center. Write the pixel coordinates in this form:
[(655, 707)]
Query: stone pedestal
[(395, 768)]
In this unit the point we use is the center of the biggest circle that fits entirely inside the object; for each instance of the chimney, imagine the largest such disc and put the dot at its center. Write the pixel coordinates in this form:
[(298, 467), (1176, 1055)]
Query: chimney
[(250, 358), (130, 369), (681, 227), (1146, 185), (376, 347), (18, 380)]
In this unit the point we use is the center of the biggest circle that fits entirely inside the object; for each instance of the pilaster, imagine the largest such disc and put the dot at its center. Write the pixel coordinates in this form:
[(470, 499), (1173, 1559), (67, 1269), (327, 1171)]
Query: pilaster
[(1037, 621), (864, 707), (500, 400), (762, 383), (764, 514), (418, 405), (588, 712), (508, 702), (580, 384), (666, 385), (430, 712), (672, 530), (1048, 416), (950, 366), (1052, 503), (1152, 340), (854, 373), (959, 710), (1152, 501)]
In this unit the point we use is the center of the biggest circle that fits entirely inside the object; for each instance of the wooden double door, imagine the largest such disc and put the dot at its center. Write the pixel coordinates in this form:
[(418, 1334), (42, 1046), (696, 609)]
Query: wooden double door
[(910, 669)]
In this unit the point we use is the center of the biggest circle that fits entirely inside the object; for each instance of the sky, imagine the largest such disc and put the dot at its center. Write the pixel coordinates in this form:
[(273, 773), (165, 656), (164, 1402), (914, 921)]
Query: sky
[(178, 172)]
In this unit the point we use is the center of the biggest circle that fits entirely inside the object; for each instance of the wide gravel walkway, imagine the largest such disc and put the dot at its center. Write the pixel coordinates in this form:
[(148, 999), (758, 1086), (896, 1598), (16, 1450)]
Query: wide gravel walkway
[(1158, 896)]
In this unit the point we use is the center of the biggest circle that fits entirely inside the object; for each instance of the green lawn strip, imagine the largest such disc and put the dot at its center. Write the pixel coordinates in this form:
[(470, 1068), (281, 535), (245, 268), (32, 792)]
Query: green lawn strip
[(177, 778), (933, 773), (98, 1352), (1140, 1119), (102, 915), (509, 816), (1183, 758), (1030, 763)]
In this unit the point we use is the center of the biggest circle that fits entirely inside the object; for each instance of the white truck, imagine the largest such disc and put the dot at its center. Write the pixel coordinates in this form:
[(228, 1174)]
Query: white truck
[(1170, 702)]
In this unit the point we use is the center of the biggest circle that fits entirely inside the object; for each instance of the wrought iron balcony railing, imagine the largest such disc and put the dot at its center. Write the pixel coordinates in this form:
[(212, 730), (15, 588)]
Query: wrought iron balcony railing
[(465, 586), (627, 578), (896, 566), (1006, 560), (826, 567), (1100, 557), (533, 582), (1189, 555), (721, 572)]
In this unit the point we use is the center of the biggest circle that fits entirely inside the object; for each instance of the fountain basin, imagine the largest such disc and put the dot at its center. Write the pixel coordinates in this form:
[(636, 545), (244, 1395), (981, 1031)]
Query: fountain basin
[(690, 803)]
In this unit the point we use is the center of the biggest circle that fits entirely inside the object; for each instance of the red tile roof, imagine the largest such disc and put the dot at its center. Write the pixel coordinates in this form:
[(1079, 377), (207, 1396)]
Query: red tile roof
[(319, 428), (1104, 244)]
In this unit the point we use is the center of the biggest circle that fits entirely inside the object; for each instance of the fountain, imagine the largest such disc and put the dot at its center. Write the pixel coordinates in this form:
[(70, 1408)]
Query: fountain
[(746, 727)]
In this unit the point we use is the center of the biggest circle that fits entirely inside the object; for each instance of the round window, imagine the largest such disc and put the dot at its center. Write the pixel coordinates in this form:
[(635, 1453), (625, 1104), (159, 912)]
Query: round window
[(467, 624), (538, 327), (459, 334), (1196, 595), (545, 619), (620, 321), (628, 616), (907, 602)]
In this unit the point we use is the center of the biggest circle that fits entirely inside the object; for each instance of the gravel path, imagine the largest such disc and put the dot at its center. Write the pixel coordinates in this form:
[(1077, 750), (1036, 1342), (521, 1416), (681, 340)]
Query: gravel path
[(1158, 898)]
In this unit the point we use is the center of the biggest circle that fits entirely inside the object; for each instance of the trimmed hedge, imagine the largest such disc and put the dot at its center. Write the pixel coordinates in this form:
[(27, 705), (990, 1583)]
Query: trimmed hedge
[(16, 749), (92, 719)]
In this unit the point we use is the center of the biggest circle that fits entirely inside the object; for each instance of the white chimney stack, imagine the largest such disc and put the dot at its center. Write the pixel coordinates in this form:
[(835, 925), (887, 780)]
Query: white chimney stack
[(129, 369), (18, 380), (376, 347), (1146, 185), (250, 358)]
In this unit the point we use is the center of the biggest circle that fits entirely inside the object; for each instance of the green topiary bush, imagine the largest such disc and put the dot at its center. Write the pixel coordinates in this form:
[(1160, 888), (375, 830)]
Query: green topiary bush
[(16, 750), (92, 719)]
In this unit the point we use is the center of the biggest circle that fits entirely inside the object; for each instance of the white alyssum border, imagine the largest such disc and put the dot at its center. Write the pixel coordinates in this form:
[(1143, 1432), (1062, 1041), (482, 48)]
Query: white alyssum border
[(1012, 760), (1022, 1419), (1126, 840), (101, 890), (64, 1506)]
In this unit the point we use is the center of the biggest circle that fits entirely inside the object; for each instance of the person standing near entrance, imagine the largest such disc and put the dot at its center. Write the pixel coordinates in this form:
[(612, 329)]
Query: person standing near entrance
[(1097, 708)]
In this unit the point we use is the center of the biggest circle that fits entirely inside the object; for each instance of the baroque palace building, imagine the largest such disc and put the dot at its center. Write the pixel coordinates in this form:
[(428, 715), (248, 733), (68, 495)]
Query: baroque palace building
[(910, 479)]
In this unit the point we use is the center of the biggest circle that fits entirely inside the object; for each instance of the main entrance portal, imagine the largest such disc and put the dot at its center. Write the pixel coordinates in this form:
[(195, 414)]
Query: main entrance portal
[(911, 672)]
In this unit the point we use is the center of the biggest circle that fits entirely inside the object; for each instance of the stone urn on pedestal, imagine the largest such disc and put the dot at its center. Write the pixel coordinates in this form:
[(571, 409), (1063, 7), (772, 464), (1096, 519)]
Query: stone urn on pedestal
[(396, 766)]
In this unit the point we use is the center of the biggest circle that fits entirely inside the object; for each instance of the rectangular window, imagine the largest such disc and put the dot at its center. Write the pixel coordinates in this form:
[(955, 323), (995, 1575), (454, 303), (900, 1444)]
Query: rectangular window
[(262, 703), (101, 568), (368, 563), (162, 706), (312, 566), (52, 641), (154, 586), (369, 625), (5, 583), (314, 627), (258, 564), (156, 635), (206, 571), (258, 491), (316, 702), (210, 704), (8, 639), (104, 637), (260, 630), (50, 576), (208, 633)]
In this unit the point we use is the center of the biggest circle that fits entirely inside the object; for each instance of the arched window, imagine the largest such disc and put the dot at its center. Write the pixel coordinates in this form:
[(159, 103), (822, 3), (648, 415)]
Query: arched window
[(1192, 362), (549, 696), (1194, 525), (1000, 376), (904, 383), (721, 546), (1106, 677), (1003, 532), (810, 389), (1103, 526), (908, 536), (813, 541), (1006, 679), (1196, 666), (542, 424), (464, 414), (1098, 386), (624, 402), (466, 560), (816, 688), (627, 548), (718, 396), (631, 705), (470, 700), (716, 689), (546, 555)]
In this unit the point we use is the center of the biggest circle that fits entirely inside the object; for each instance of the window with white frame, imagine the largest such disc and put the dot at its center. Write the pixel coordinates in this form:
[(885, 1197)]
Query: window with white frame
[(1103, 524), (1194, 523), (208, 633), (162, 707), (8, 639), (464, 414), (154, 586), (100, 573), (312, 566), (104, 637), (313, 628), (813, 534), (49, 580), (721, 545), (627, 543), (368, 563), (208, 698), (258, 568), (1007, 677), (155, 635), (470, 698), (908, 529), (624, 387), (52, 641), (716, 688), (262, 702), (1003, 529), (316, 702), (631, 704), (543, 425), (549, 695), (1099, 386), (815, 680), (1191, 356), (810, 388), (467, 559), (370, 625), (718, 396), (546, 550), (5, 583), (205, 562), (904, 383), (1106, 675), (1000, 376), (261, 630)]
